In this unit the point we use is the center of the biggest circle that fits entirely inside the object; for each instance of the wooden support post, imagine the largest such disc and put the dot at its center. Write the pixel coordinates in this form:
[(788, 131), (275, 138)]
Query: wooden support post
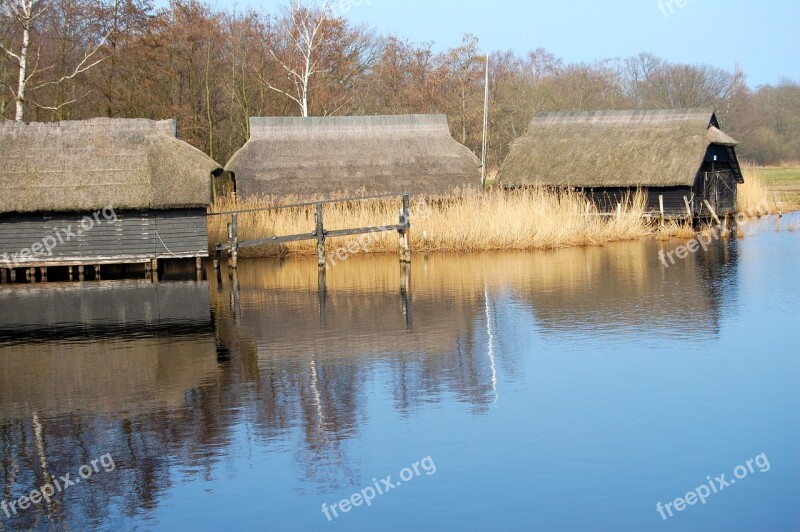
[(97, 272), (3, 279), (688, 208), (405, 223), (320, 234), (233, 239), (44, 274), (154, 270), (619, 211), (661, 207), (69, 272), (711, 210), (30, 275), (81, 273), (12, 275), (198, 263)]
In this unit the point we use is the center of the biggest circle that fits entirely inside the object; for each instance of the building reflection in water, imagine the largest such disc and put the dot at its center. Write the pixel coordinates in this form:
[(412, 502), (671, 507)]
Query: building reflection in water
[(165, 375)]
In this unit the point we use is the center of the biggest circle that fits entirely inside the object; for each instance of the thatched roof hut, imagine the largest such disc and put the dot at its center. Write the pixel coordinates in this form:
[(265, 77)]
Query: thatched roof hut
[(327, 155), (86, 165), (608, 151), (53, 176)]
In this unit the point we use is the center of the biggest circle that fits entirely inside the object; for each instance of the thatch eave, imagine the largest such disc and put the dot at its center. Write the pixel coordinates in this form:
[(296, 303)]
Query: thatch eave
[(88, 165)]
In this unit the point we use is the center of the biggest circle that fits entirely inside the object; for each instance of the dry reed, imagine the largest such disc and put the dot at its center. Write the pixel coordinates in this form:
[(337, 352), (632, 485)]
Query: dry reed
[(494, 220), (753, 198)]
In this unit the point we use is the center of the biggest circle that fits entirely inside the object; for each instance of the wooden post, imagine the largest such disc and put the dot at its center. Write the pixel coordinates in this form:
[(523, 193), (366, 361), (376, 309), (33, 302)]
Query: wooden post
[(711, 210), (688, 208), (3, 276), (405, 223), (320, 234), (661, 208), (233, 238), (44, 274), (12, 275), (198, 263), (81, 273), (96, 272), (619, 211), (69, 272)]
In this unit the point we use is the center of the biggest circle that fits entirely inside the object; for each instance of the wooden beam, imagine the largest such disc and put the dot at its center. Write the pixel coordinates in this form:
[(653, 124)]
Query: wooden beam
[(403, 230), (711, 210), (320, 234)]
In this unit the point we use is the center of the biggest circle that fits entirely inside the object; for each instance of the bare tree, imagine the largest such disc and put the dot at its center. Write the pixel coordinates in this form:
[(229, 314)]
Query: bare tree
[(303, 36), (24, 14)]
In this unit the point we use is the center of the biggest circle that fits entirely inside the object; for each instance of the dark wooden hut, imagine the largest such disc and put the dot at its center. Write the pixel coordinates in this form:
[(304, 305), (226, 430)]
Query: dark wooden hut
[(101, 191), (677, 156), (321, 156)]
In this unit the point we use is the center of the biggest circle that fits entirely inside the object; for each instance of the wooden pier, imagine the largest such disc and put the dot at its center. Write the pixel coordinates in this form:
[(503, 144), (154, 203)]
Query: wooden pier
[(320, 234)]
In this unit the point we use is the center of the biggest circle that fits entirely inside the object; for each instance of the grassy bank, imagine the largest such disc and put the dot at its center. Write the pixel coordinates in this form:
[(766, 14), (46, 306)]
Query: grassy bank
[(784, 182), (473, 221)]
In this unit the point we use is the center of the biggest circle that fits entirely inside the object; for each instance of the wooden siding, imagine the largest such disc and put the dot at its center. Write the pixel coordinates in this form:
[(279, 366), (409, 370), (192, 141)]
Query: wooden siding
[(135, 236), (606, 199)]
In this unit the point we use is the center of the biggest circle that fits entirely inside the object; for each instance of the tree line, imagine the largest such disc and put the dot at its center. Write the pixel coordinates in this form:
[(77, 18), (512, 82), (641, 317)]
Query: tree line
[(212, 69)]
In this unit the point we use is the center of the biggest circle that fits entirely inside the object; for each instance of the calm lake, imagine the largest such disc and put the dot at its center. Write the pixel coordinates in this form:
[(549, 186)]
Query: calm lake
[(575, 389)]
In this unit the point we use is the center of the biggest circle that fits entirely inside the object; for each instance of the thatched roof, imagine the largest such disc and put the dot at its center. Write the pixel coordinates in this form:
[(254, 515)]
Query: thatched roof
[(613, 148), (327, 155), (88, 165)]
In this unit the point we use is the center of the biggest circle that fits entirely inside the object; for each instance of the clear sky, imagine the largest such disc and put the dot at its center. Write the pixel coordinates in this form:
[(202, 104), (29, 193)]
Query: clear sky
[(763, 36)]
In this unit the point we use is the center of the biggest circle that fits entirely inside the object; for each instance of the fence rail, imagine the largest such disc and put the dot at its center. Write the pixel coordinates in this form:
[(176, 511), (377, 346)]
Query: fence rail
[(320, 234)]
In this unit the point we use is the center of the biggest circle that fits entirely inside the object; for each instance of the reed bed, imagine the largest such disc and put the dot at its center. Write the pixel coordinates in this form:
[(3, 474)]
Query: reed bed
[(753, 197), (495, 220)]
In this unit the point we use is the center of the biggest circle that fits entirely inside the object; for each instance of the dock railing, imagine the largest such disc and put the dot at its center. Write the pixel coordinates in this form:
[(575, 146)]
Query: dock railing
[(320, 234)]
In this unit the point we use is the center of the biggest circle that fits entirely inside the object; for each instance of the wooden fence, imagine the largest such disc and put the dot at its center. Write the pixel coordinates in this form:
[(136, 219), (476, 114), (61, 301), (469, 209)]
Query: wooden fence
[(320, 234)]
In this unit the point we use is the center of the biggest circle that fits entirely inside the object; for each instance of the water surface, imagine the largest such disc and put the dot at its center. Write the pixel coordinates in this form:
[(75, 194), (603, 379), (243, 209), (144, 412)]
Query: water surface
[(572, 389)]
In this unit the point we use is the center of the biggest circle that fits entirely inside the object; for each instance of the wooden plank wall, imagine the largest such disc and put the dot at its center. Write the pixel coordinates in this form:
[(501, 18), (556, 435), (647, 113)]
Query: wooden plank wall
[(134, 234)]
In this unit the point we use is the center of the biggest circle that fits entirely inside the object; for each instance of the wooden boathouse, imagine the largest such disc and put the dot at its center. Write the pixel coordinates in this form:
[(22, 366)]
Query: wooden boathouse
[(679, 157), (99, 192), (319, 157)]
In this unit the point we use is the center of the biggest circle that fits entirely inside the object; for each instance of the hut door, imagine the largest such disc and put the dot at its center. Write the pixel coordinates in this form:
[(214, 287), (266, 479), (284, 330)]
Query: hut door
[(711, 189)]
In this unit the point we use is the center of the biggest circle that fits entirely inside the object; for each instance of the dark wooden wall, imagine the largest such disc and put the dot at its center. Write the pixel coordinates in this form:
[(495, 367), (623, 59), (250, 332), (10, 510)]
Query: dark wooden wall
[(607, 198), (135, 236)]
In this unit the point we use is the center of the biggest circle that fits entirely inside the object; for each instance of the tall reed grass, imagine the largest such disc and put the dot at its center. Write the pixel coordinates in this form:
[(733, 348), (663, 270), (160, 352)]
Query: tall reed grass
[(497, 219), (753, 197)]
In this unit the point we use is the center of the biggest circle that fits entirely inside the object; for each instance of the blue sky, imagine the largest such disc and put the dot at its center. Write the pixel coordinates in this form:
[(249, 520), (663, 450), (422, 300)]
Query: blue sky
[(763, 36)]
